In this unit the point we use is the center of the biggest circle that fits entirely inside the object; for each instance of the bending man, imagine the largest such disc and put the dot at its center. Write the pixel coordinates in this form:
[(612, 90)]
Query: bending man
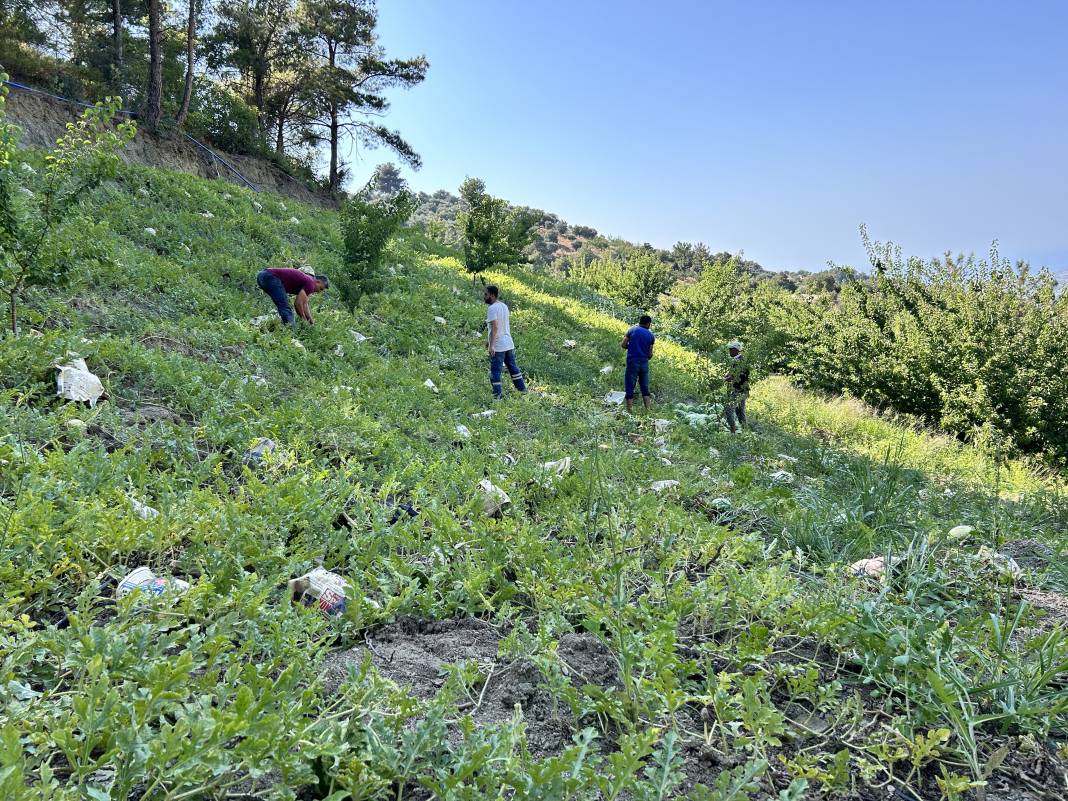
[(280, 282)]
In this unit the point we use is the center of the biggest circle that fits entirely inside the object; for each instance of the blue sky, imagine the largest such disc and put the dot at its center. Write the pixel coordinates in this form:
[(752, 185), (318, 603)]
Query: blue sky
[(770, 127)]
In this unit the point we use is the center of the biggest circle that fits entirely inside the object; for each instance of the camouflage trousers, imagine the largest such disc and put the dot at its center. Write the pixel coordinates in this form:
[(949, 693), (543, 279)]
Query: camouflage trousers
[(734, 410)]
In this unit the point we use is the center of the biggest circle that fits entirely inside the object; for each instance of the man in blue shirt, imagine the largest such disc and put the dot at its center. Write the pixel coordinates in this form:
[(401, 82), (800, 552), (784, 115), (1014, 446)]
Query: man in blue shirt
[(638, 343)]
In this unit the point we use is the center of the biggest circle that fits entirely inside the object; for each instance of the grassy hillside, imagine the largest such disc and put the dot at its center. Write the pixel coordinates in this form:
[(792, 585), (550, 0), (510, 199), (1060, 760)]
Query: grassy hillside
[(600, 640)]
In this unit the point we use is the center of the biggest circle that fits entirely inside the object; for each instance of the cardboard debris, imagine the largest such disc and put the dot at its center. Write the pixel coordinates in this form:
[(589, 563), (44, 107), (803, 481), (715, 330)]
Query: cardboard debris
[(615, 398), (76, 383), (146, 581), (663, 486), (322, 589), (494, 500), (570, 344), (259, 451), (607, 369), (561, 467), (463, 431), (441, 320), (143, 510), (430, 385)]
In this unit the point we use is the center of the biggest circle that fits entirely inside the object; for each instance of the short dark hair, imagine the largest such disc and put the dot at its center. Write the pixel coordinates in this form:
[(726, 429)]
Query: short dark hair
[(492, 289), (645, 320)]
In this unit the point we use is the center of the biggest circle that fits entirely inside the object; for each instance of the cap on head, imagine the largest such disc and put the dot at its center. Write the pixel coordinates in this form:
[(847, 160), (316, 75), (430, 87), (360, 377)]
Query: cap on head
[(734, 344)]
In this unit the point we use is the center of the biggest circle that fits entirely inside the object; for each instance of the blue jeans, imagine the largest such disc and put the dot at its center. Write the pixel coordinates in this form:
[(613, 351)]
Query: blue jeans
[(272, 285), (505, 359), (637, 373)]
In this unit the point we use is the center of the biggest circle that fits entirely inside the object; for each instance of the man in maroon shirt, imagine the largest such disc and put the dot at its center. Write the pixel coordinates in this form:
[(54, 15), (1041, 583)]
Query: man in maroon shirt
[(280, 282)]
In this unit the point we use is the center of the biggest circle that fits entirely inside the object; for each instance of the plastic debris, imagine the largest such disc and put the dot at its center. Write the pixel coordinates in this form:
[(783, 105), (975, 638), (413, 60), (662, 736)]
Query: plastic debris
[(486, 415), (77, 424), (227, 196), (615, 398), (509, 460), (146, 581), (782, 477), (713, 453), (282, 206), (294, 221), (430, 385), (441, 320), (665, 461), (150, 231), (607, 369), (698, 420), (257, 205), (76, 383), (207, 215), (298, 345), (357, 336), (259, 451), (463, 431), (722, 504), (570, 344), (787, 458), (560, 467), (663, 486), (960, 532), (494, 499), (339, 351), (874, 567), (143, 510), (263, 318), (1005, 565), (258, 380), (661, 425)]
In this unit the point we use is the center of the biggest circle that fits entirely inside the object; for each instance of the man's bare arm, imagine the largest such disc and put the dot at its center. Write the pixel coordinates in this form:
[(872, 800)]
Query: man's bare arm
[(302, 306), (626, 342), (492, 336)]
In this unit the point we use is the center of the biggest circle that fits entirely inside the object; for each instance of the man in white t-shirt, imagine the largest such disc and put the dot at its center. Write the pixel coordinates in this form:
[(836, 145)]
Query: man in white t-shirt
[(499, 345)]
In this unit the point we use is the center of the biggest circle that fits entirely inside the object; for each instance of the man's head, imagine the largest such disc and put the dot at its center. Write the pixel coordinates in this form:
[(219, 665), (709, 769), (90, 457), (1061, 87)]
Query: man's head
[(321, 283), (491, 293), (645, 321), (734, 348)]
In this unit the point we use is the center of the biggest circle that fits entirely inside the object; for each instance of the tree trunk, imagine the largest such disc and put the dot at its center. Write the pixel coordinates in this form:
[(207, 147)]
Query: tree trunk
[(154, 100), (279, 142), (11, 299), (334, 181), (190, 39), (116, 44)]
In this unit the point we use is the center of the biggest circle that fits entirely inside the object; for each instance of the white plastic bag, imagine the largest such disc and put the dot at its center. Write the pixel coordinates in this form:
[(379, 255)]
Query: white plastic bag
[(607, 369), (463, 431), (143, 510), (430, 385), (561, 467), (615, 398), (663, 486), (76, 383), (570, 344), (494, 499), (144, 579)]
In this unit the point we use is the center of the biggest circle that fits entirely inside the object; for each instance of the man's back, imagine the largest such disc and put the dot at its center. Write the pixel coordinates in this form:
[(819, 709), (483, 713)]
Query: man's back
[(499, 311), (640, 344)]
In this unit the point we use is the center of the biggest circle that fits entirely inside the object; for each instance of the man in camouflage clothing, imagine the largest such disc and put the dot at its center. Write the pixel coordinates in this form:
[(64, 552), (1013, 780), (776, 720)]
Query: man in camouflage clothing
[(737, 381)]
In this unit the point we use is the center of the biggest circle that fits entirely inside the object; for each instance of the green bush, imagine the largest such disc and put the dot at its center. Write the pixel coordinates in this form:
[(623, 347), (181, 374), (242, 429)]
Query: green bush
[(636, 281), (493, 232), (367, 223)]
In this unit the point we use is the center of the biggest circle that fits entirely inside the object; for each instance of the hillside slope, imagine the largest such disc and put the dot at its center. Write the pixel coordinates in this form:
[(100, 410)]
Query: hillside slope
[(600, 640)]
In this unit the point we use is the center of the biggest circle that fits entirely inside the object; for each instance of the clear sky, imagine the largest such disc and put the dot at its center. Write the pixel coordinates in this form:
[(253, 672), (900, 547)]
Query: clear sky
[(770, 127)]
